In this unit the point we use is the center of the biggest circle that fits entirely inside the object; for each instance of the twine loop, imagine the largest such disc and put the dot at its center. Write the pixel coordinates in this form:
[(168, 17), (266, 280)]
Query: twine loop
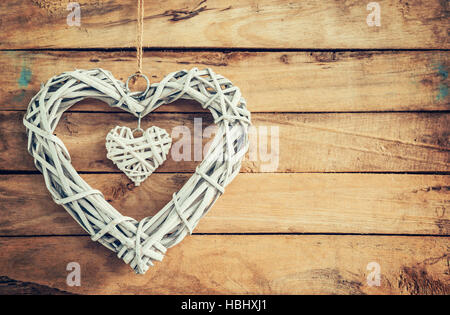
[(140, 36)]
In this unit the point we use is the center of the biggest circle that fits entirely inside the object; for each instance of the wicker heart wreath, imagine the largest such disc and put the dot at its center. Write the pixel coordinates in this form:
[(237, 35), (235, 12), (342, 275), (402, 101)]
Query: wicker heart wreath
[(138, 243)]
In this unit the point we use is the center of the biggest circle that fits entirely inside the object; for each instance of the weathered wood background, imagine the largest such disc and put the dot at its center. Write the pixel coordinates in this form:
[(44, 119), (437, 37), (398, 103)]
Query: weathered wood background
[(363, 120)]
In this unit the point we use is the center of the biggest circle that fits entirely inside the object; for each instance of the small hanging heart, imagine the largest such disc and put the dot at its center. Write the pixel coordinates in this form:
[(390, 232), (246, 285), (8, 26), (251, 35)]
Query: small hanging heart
[(137, 157)]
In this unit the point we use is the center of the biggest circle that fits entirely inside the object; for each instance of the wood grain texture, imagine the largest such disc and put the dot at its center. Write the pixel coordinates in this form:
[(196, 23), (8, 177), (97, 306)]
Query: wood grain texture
[(245, 264), (218, 23), (270, 82), (357, 142), (281, 203), (13, 287)]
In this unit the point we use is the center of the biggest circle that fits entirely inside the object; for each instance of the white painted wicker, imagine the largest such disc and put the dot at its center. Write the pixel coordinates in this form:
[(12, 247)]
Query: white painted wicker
[(139, 156), (138, 243)]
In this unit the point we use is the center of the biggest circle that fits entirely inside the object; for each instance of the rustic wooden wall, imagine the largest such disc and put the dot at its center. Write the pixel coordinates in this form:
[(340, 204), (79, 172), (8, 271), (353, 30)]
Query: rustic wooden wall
[(363, 120)]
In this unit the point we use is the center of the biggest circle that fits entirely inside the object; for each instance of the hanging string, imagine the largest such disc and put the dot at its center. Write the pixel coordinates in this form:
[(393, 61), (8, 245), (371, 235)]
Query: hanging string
[(140, 36)]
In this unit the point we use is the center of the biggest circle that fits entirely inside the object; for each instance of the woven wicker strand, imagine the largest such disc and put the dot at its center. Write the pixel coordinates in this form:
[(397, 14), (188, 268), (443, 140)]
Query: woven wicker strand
[(141, 243)]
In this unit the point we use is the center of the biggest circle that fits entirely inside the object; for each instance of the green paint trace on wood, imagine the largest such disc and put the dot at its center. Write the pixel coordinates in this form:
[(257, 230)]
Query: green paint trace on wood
[(443, 92), (442, 71), (443, 87), (25, 76)]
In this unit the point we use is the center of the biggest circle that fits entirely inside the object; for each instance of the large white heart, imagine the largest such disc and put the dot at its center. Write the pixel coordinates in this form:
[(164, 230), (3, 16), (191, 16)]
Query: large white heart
[(138, 243)]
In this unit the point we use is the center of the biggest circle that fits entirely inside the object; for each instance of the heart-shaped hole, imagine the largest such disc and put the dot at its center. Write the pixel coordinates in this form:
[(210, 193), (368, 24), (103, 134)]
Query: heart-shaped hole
[(83, 133)]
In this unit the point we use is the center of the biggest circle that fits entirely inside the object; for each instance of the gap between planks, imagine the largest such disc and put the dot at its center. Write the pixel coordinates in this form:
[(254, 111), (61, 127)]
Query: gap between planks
[(159, 111), (224, 50), (249, 234)]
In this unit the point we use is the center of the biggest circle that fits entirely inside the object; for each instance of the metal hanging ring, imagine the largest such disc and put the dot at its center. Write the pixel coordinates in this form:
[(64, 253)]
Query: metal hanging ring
[(134, 94)]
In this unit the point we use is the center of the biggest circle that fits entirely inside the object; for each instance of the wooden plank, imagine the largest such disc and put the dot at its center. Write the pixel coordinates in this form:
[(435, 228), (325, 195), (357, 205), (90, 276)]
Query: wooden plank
[(240, 264), (357, 142), (281, 203), (219, 23), (270, 82), (13, 287)]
